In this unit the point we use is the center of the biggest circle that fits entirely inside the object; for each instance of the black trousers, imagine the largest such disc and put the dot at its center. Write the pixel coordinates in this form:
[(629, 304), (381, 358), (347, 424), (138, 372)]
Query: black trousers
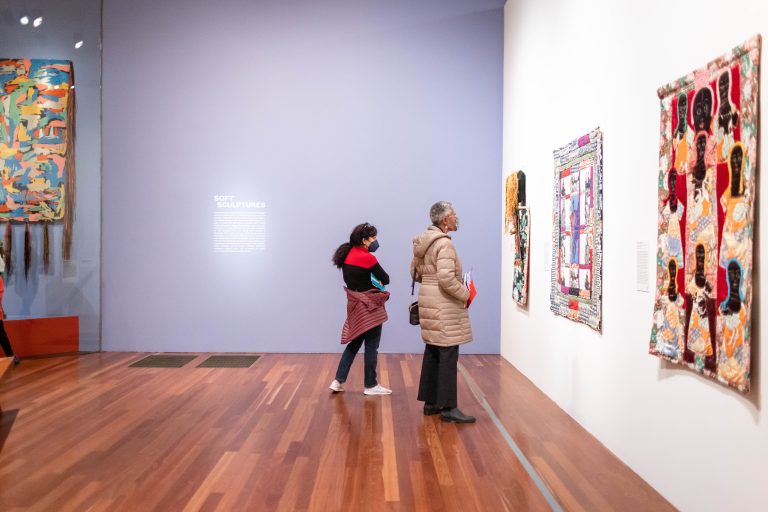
[(437, 385), (4, 341)]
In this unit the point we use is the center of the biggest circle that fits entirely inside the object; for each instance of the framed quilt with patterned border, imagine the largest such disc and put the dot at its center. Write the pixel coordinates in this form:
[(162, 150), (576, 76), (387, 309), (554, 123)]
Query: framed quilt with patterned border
[(577, 230)]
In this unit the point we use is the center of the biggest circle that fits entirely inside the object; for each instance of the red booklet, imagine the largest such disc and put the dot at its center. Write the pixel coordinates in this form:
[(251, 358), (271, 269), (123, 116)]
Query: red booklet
[(470, 283)]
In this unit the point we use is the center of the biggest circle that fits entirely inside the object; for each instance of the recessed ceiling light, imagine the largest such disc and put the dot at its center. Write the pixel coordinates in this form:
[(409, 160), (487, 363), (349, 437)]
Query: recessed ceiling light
[(79, 44), (37, 22), (24, 20)]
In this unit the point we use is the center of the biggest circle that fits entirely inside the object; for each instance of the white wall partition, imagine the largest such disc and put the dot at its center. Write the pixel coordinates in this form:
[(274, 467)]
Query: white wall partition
[(569, 67)]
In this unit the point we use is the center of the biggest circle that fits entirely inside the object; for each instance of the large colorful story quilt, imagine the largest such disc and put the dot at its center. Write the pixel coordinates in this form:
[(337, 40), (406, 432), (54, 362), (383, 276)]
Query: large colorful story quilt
[(707, 168), (36, 110), (577, 231)]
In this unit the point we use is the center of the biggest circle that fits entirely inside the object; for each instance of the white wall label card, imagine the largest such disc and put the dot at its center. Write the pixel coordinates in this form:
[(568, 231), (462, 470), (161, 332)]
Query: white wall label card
[(641, 271), (239, 226)]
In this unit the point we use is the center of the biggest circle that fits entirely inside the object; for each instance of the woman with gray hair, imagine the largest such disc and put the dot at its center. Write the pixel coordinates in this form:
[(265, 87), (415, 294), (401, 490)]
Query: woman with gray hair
[(443, 314)]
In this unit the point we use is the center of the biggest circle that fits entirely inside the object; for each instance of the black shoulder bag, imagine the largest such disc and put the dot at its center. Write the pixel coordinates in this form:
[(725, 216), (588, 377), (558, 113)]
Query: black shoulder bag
[(413, 309)]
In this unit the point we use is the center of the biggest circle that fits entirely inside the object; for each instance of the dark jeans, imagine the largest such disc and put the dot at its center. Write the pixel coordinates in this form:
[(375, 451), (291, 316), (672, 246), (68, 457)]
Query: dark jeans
[(4, 341), (437, 385), (371, 339)]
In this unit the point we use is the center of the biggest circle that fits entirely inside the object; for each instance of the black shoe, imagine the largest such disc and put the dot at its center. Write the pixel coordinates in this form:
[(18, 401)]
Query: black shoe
[(430, 409), (456, 416)]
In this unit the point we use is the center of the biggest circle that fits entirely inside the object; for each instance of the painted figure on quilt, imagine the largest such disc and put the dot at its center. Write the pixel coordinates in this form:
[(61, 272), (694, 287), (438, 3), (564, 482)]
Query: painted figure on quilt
[(733, 353), (727, 116), (702, 109), (683, 138), (701, 313), (734, 205), (670, 318), (672, 214)]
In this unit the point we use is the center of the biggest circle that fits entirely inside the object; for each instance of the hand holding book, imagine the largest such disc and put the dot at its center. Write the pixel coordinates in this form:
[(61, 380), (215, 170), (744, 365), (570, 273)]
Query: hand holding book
[(378, 284), (469, 282)]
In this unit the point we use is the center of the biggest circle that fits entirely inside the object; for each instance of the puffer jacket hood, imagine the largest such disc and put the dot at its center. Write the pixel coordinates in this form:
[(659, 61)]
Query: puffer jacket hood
[(422, 241)]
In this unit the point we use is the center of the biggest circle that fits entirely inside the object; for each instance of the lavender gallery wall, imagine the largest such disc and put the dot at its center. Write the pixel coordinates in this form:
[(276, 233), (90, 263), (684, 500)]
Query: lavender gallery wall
[(244, 139), (69, 288)]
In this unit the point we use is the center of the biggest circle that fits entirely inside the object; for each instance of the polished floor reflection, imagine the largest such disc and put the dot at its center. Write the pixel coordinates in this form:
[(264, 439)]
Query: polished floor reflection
[(90, 433)]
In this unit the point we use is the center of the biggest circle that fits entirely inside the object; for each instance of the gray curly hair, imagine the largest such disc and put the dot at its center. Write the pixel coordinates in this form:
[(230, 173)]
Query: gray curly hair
[(439, 211)]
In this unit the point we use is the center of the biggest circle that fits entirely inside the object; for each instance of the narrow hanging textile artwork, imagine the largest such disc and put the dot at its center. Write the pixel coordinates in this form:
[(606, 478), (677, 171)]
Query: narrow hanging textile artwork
[(577, 231), (707, 168), (520, 283), (37, 146), (521, 212)]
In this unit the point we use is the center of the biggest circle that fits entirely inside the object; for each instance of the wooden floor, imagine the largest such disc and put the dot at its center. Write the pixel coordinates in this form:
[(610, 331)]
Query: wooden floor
[(89, 433)]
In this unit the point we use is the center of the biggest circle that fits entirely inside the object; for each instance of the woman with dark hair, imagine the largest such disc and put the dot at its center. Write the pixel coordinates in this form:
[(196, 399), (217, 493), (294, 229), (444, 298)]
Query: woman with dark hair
[(363, 277)]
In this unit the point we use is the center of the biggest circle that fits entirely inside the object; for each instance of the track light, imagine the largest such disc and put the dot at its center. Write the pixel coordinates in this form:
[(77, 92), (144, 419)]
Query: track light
[(79, 44), (24, 20), (37, 22)]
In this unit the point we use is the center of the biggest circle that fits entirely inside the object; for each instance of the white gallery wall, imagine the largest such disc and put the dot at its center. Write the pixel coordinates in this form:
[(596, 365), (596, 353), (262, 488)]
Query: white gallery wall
[(570, 67)]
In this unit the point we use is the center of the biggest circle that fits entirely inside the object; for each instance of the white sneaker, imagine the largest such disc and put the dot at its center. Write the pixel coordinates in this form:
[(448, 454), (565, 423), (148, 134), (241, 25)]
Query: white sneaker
[(378, 389), (336, 386)]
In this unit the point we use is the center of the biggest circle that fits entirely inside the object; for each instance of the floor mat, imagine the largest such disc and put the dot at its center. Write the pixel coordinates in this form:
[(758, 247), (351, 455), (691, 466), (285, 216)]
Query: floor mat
[(228, 362), (162, 361)]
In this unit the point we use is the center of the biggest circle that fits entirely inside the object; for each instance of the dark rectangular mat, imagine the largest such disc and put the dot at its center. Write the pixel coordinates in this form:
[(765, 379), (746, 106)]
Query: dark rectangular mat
[(228, 362), (162, 361)]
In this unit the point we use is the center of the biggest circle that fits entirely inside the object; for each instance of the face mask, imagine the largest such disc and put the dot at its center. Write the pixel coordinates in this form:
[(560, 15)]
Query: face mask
[(374, 245)]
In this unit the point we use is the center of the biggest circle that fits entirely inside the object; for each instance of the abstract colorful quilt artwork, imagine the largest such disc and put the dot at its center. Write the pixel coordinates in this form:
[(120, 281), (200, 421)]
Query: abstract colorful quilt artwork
[(36, 109), (707, 168), (577, 231), (522, 252)]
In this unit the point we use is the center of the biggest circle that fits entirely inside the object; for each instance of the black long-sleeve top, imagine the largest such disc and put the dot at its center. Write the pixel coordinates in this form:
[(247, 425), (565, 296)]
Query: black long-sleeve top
[(358, 267)]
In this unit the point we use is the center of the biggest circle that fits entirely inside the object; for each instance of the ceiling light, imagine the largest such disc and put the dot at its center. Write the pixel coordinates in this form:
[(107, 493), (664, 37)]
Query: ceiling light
[(37, 22), (79, 44), (24, 20)]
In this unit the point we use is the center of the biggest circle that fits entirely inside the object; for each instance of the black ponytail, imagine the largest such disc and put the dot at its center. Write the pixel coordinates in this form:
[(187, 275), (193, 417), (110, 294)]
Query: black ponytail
[(341, 254), (360, 233)]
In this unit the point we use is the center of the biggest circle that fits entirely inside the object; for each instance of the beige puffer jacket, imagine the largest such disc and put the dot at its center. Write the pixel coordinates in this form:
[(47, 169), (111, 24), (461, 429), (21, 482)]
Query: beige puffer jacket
[(442, 295)]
